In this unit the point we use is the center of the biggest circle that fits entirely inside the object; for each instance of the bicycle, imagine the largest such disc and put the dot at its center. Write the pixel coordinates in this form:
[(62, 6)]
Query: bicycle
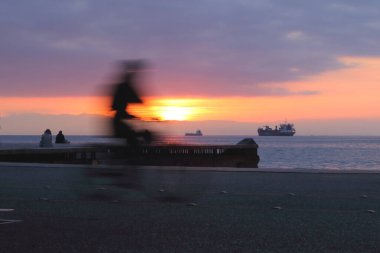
[(119, 169)]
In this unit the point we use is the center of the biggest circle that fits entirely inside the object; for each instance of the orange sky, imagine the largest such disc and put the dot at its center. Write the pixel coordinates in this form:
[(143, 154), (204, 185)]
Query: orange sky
[(347, 93)]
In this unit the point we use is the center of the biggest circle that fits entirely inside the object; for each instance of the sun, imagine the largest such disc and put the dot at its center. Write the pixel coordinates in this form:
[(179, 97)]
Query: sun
[(168, 109), (174, 113)]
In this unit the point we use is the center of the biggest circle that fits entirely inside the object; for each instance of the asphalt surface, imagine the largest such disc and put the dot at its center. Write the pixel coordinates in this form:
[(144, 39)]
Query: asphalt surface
[(54, 208)]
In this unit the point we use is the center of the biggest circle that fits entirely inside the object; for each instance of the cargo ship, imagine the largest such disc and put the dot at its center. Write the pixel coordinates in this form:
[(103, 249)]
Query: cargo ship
[(285, 129), (197, 133)]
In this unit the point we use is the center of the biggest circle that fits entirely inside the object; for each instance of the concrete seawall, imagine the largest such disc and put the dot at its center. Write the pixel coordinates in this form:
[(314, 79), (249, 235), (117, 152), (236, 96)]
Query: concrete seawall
[(169, 155)]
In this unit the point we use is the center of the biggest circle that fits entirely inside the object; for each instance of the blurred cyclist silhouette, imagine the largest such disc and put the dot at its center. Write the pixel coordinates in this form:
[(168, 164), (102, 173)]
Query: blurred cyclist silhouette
[(173, 186), (125, 93)]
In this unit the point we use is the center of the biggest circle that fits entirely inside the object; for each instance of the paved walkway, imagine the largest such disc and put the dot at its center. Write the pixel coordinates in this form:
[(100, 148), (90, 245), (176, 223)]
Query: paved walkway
[(42, 209)]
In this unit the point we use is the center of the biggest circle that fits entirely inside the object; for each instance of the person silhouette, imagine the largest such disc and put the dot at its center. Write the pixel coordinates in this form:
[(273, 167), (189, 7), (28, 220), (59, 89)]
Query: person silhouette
[(46, 139), (60, 138), (125, 93)]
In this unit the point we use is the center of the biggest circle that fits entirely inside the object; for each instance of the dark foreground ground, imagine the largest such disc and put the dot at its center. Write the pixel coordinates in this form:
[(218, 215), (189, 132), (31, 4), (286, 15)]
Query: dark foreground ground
[(220, 211)]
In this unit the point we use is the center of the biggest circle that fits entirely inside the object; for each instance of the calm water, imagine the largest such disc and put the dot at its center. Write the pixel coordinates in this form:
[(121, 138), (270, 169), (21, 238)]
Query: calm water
[(307, 152)]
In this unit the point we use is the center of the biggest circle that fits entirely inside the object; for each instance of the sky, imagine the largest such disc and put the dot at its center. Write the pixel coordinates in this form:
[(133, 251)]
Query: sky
[(225, 66)]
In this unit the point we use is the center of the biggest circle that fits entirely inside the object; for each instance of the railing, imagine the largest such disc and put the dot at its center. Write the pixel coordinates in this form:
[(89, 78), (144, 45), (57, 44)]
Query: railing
[(79, 155), (201, 155), (160, 155)]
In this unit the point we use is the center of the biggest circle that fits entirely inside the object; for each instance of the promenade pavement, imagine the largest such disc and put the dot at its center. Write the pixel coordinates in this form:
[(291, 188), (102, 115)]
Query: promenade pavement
[(52, 208)]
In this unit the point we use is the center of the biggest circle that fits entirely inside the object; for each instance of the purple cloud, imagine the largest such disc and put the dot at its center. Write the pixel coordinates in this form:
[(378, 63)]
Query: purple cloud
[(220, 47)]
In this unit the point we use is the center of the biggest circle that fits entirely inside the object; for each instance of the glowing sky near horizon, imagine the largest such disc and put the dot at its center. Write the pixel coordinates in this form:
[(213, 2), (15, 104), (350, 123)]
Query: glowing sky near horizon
[(345, 93), (244, 61)]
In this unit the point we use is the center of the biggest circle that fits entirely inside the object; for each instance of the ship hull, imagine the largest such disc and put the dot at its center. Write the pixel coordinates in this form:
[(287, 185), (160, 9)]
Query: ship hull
[(274, 133), (191, 134), (197, 133)]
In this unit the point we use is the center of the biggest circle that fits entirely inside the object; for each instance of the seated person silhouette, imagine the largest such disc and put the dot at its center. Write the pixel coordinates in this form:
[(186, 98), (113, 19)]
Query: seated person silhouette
[(60, 138), (46, 139)]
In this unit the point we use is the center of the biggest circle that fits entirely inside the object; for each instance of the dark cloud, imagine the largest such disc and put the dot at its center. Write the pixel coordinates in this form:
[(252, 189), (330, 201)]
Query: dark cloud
[(220, 47)]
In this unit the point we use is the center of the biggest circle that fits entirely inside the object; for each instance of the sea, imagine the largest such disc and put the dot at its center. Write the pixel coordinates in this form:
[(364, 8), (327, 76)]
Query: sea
[(276, 152)]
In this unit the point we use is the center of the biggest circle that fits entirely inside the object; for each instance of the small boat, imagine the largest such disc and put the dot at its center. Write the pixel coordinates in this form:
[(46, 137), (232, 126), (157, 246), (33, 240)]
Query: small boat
[(197, 133), (285, 129)]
